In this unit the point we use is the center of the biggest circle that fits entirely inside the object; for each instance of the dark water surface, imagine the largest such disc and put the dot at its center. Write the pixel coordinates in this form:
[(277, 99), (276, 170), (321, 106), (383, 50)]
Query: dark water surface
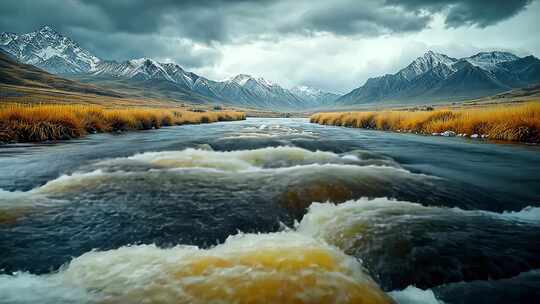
[(455, 218)]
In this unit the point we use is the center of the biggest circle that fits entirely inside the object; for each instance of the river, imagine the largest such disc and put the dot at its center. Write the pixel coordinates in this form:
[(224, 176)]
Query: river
[(426, 219)]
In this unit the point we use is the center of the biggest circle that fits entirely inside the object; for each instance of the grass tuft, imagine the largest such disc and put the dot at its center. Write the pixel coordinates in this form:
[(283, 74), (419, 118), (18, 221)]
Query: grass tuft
[(32, 123), (519, 123)]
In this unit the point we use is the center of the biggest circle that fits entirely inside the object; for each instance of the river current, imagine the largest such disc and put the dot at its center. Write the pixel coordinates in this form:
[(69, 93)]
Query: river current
[(269, 210)]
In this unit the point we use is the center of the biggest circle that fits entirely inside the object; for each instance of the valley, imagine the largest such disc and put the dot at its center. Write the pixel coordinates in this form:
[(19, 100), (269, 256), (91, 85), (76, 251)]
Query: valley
[(245, 152), (433, 78)]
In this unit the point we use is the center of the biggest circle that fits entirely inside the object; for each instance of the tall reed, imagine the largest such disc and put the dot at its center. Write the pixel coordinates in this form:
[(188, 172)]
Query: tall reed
[(501, 122), (28, 123)]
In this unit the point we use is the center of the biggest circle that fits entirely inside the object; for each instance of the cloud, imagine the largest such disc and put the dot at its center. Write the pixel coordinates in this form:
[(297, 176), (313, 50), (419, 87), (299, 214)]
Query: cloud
[(122, 46), (23, 16), (335, 45), (324, 61), (369, 18), (197, 20), (458, 13), (237, 21)]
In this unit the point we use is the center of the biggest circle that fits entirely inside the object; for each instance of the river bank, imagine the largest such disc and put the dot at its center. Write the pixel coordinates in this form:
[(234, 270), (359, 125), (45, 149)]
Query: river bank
[(35, 123), (518, 123)]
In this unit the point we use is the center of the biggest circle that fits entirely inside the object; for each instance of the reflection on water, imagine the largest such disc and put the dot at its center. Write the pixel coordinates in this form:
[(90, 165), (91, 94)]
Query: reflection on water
[(417, 214)]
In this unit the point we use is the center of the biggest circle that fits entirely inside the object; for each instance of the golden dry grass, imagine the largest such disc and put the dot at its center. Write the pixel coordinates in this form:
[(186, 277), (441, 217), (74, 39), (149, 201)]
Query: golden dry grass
[(29, 123), (500, 122)]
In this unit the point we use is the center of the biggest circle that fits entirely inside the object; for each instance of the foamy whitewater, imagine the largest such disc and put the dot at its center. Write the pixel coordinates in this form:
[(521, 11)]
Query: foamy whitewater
[(283, 267), (269, 211)]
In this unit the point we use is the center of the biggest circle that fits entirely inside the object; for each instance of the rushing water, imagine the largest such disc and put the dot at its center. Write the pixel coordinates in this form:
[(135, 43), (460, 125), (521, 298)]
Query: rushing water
[(224, 212)]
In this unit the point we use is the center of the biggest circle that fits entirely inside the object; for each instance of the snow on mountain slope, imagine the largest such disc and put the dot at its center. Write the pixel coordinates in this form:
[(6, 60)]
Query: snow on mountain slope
[(433, 77), (240, 79), (6, 38), (489, 60), (272, 93), (53, 52), (49, 50), (425, 63), (314, 95), (242, 89)]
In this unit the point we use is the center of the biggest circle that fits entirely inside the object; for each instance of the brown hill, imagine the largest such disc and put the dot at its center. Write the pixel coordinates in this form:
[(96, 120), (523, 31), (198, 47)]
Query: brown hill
[(17, 74)]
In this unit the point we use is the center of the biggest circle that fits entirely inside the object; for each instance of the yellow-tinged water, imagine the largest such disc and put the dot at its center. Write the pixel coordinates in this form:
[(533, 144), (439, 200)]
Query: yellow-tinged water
[(284, 267)]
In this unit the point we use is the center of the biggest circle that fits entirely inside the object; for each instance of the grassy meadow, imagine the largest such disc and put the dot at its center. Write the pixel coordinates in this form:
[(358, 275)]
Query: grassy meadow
[(520, 123), (41, 122)]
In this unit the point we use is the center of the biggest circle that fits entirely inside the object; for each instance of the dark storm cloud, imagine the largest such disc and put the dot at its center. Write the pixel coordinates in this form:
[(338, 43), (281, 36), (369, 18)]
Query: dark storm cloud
[(368, 18), (458, 13), (122, 29), (122, 46), (27, 15), (203, 20)]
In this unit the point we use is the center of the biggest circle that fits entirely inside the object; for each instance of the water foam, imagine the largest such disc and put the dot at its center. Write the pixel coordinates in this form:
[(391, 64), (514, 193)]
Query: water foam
[(343, 224), (7, 198), (299, 168), (413, 295), (14, 204), (77, 181), (271, 131), (283, 267), (528, 214), (235, 161)]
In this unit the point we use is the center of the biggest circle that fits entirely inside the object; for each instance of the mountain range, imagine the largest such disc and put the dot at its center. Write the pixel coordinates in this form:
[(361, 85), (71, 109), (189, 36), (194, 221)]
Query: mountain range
[(430, 78), (55, 53), (17, 74), (436, 77)]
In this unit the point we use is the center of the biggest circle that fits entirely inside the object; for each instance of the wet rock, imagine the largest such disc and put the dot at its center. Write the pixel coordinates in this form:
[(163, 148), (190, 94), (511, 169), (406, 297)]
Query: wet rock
[(448, 133), (474, 136)]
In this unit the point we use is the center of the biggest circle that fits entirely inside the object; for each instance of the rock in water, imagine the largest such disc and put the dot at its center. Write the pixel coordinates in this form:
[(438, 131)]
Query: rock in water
[(448, 133)]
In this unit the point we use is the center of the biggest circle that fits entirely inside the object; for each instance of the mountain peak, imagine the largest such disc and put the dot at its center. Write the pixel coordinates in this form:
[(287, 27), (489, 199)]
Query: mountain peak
[(305, 90), (48, 49), (494, 54), (48, 31), (140, 61), (241, 79), (438, 58), (426, 62), (46, 28), (489, 60), (313, 95), (265, 82)]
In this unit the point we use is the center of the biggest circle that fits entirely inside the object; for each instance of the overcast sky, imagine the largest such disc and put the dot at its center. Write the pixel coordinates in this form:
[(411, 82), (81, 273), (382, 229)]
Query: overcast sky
[(334, 45)]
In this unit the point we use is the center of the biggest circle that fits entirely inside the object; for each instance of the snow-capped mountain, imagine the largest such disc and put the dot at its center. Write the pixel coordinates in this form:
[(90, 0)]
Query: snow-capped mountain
[(241, 90), (314, 95), (49, 50), (429, 78), (142, 68), (489, 60), (55, 53), (266, 90), (427, 62), (436, 77)]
